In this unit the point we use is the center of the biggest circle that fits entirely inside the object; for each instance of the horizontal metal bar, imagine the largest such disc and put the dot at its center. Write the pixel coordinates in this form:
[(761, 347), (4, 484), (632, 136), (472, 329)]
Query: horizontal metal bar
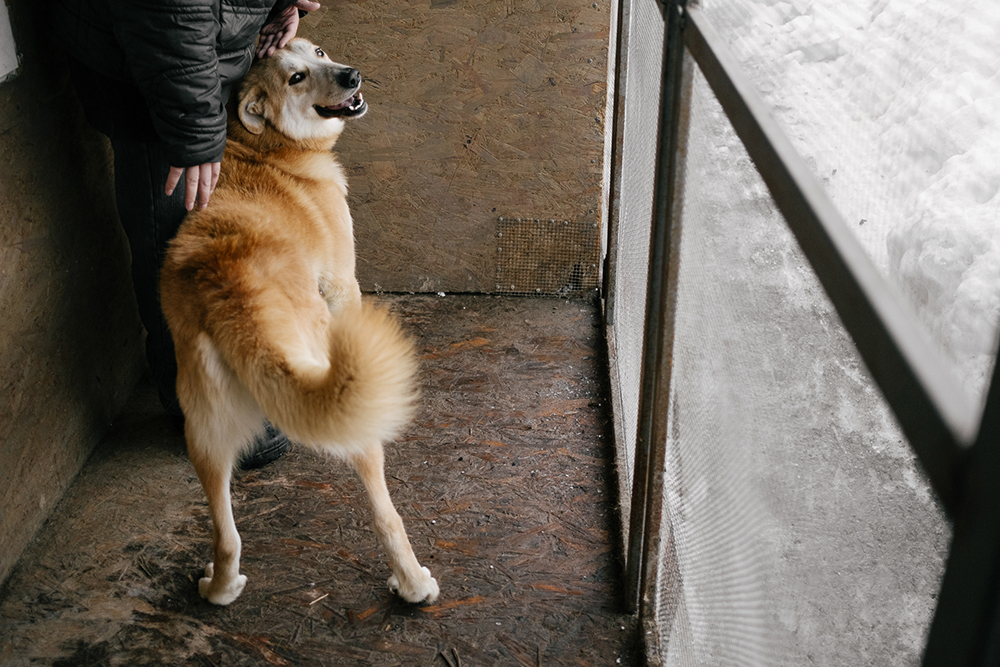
[(935, 414)]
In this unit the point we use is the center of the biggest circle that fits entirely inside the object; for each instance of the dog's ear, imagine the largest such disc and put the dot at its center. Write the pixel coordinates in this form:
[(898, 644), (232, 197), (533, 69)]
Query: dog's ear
[(251, 110)]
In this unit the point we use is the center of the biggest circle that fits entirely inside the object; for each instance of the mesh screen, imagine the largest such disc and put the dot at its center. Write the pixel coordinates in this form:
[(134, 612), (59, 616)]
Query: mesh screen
[(895, 104), (799, 528), (546, 257), (630, 253)]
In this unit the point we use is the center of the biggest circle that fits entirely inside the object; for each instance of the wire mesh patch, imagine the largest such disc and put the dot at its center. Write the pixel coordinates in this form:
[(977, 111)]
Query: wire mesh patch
[(546, 257)]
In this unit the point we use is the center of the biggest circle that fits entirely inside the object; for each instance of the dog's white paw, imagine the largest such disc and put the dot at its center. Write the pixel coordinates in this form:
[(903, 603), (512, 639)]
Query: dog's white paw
[(218, 592), (421, 588)]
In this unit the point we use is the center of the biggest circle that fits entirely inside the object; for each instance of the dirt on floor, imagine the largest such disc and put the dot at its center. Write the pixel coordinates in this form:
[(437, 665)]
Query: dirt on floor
[(505, 483)]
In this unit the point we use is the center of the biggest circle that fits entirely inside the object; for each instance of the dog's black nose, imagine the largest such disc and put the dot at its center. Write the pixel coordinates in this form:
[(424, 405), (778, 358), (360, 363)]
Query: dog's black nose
[(349, 78)]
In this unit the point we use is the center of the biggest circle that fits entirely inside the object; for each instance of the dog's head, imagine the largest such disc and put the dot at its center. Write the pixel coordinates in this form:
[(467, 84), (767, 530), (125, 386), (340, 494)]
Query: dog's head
[(301, 93)]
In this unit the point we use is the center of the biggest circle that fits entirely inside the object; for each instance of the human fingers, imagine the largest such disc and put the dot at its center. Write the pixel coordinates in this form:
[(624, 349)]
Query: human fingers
[(216, 168), (272, 34), (273, 45), (268, 42), (205, 183), (173, 178), (291, 27), (307, 5), (261, 49), (191, 178)]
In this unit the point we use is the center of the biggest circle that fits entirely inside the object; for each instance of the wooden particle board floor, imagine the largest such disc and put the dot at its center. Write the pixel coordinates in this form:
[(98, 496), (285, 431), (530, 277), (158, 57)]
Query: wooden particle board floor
[(505, 483)]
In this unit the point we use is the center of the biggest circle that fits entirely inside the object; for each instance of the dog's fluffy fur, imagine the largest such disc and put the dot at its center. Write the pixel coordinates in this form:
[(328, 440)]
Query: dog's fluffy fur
[(266, 314)]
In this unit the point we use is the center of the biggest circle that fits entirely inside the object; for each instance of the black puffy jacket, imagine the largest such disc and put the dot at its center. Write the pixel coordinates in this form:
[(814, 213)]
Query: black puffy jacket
[(161, 66)]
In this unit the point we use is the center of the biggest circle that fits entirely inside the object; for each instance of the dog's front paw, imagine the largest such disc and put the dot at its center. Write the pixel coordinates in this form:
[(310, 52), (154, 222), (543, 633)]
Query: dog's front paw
[(217, 591), (420, 588)]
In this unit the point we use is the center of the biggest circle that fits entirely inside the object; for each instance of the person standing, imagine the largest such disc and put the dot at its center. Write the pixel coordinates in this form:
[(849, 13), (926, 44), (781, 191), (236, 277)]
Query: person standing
[(154, 76)]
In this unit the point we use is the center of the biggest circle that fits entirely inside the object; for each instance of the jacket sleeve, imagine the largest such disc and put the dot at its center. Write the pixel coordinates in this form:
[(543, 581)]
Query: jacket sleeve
[(170, 50)]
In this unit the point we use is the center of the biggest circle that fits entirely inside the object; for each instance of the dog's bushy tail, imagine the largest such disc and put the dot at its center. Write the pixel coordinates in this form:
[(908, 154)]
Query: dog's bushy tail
[(367, 392)]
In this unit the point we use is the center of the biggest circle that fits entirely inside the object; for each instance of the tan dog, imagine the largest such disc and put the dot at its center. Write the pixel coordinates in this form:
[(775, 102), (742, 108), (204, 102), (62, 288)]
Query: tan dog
[(266, 314)]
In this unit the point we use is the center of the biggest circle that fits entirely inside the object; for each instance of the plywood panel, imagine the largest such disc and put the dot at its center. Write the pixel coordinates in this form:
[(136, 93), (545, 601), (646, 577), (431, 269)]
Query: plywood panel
[(478, 110), (70, 338)]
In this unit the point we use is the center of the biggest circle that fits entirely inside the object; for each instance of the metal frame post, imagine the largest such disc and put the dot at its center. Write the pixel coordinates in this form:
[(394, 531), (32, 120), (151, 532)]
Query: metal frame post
[(661, 300), (966, 626)]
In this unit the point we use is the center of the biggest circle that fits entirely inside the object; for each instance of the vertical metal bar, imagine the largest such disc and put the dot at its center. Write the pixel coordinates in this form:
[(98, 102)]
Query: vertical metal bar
[(615, 167), (967, 619), (658, 338), (682, 67)]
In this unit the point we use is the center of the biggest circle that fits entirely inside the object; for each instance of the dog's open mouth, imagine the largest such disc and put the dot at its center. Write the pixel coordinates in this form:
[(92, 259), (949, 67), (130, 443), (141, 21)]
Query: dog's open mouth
[(354, 106)]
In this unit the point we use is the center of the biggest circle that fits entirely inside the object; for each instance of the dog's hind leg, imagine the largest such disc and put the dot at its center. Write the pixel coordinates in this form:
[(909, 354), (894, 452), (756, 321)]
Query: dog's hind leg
[(409, 580), (222, 582), (221, 419)]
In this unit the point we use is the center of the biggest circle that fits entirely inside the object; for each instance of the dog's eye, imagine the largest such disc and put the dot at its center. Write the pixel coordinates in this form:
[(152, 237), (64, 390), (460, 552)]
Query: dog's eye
[(319, 52), (296, 78)]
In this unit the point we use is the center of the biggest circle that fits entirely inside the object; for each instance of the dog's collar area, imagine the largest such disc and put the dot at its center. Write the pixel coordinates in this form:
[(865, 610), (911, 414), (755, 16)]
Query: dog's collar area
[(355, 106)]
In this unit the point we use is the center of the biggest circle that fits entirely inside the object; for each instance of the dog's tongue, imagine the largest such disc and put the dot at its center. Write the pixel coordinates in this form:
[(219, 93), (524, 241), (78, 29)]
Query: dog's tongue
[(347, 108), (349, 102)]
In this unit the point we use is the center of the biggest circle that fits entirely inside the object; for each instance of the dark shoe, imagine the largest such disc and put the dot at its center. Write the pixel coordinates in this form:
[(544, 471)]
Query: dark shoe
[(269, 445)]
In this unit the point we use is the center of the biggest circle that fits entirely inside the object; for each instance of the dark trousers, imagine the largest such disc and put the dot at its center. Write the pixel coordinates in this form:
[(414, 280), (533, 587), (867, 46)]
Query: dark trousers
[(150, 219)]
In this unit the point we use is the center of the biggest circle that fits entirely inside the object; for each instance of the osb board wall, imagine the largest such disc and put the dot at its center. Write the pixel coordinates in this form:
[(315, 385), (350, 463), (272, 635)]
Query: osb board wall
[(478, 109), (70, 348)]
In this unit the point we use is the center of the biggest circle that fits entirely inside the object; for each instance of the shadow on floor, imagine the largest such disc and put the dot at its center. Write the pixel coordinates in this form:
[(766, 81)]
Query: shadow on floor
[(504, 481)]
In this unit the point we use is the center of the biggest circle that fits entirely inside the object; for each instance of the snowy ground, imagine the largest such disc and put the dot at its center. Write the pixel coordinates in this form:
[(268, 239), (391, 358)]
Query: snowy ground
[(896, 103), (803, 530)]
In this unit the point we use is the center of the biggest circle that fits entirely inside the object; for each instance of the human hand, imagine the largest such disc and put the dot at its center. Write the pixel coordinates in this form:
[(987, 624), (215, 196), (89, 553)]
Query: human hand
[(282, 29), (199, 182)]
